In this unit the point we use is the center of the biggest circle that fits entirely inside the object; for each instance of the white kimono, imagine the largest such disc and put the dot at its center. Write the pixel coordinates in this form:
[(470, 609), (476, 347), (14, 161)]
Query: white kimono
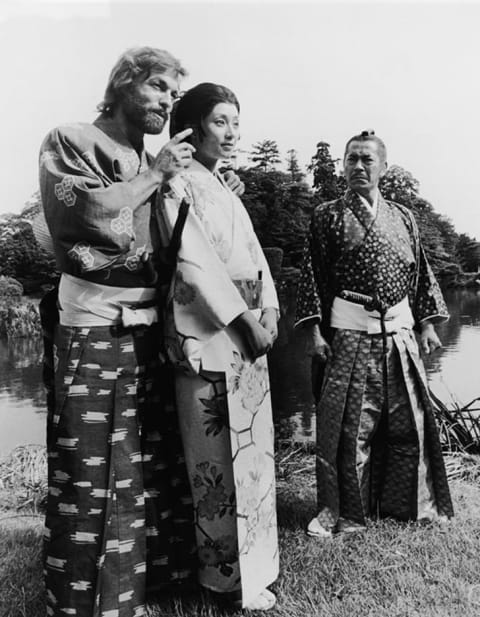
[(223, 396)]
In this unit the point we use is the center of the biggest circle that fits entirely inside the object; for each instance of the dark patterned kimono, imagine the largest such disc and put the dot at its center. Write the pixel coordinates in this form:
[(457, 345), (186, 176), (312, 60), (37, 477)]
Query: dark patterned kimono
[(363, 468), (119, 514)]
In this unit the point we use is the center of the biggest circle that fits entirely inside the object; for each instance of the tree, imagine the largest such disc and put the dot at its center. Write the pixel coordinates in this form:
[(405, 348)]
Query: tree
[(20, 255), (326, 183), (468, 253), (280, 210), (289, 224), (437, 232), (398, 185), (265, 154), (293, 167)]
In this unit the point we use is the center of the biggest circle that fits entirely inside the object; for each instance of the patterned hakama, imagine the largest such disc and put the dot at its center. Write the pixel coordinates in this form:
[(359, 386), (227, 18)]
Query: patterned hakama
[(115, 471), (404, 474)]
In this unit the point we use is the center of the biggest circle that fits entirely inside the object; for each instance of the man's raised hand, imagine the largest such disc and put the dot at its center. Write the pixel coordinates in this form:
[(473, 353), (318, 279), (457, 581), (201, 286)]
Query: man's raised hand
[(174, 156)]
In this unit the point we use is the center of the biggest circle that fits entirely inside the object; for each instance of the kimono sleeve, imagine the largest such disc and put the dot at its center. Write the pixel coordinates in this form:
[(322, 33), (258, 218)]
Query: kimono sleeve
[(83, 206), (308, 299), (429, 302), (426, 298), (269, 292), (203, 297)]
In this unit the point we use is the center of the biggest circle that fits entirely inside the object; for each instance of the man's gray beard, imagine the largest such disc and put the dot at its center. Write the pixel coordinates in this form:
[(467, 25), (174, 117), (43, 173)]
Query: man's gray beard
[(142, 119), (152, 123)]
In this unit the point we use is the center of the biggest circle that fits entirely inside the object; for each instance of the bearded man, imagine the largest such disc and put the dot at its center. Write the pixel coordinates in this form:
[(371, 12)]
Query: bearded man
[(119, 508)]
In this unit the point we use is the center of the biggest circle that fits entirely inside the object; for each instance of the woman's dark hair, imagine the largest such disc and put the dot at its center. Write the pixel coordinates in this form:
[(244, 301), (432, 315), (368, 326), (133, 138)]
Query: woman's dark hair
[(196, 104)]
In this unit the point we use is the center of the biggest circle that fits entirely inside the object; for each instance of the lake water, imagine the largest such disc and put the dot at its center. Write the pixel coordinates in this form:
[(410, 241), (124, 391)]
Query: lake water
[(453, 371)]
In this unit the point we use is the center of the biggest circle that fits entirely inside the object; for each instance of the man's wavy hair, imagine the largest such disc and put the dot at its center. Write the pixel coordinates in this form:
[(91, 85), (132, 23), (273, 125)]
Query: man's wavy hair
[(136, 64), (368, 135), (195, 105)]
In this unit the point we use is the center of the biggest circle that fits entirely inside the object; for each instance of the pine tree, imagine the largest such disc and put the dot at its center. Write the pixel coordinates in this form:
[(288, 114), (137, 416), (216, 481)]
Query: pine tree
[(265, 154), (326, 183), (293, 167)]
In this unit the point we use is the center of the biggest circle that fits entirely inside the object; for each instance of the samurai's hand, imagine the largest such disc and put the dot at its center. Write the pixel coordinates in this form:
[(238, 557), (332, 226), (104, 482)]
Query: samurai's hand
[(429, 340), (315, 345)]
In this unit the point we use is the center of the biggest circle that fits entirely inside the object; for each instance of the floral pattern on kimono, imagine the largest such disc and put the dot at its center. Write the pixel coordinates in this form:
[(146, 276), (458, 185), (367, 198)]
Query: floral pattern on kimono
[(223, 396)]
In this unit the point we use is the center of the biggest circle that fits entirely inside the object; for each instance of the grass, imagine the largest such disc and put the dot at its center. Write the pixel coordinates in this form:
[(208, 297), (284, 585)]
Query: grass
[(392, 570), (459, 425), (21, 585)]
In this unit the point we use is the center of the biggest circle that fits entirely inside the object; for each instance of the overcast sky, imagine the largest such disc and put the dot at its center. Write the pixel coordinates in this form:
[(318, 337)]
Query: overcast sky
[(303, 72)]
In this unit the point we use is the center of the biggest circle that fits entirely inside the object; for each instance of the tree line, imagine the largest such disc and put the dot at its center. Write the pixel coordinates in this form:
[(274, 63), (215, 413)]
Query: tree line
[(280, 204)]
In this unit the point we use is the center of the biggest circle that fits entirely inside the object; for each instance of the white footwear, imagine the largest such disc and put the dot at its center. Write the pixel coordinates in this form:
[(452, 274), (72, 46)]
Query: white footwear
[(263, 602), (316, 530)]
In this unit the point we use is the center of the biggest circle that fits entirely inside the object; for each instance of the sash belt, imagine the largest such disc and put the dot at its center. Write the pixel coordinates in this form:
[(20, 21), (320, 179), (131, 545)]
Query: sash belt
[(251, 291)]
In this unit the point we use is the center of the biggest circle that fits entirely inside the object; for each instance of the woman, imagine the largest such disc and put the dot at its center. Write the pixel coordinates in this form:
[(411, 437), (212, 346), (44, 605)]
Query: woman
[(221, 320)]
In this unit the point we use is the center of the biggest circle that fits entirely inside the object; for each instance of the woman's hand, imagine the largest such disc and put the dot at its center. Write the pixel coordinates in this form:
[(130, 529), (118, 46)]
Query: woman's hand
[(234, 183), (269, 320), (258, 339)]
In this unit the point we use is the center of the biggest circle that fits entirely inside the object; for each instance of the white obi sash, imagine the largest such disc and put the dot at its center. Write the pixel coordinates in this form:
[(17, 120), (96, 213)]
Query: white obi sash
[(351, 316), (84, 304)]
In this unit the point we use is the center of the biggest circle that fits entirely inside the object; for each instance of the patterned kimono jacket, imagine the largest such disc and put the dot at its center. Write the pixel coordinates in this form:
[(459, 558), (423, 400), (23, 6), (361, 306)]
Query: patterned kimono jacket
[(119, 508), (223, 396), (381, 256)]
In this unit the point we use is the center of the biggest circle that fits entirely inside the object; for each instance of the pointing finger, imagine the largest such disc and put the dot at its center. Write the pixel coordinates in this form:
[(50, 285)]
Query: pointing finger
[(178, 137)]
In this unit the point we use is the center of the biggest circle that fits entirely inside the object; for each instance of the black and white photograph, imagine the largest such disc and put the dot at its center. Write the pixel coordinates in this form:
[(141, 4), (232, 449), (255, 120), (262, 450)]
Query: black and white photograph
[(240, 308)]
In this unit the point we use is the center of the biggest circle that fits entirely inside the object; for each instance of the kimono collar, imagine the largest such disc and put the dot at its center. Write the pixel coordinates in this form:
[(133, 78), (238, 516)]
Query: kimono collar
[(112, 128), (362, 209), (373, 207), (351, 197), (199, 167), (179, 182)]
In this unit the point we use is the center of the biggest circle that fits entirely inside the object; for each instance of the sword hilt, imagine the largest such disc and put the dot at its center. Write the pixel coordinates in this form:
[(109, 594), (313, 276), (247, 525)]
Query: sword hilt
[(369, 303)]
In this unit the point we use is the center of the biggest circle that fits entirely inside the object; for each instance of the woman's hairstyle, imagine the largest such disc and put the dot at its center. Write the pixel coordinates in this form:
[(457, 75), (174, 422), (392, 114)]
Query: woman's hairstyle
[(134, 65), (195, 105)]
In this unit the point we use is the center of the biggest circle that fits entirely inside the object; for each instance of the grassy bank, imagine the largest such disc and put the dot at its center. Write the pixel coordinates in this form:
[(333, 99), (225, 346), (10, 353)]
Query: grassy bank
[(392, 570)]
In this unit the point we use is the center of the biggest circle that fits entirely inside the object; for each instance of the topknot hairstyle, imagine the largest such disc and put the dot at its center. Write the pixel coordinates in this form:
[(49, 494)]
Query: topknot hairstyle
[(368, 135)]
